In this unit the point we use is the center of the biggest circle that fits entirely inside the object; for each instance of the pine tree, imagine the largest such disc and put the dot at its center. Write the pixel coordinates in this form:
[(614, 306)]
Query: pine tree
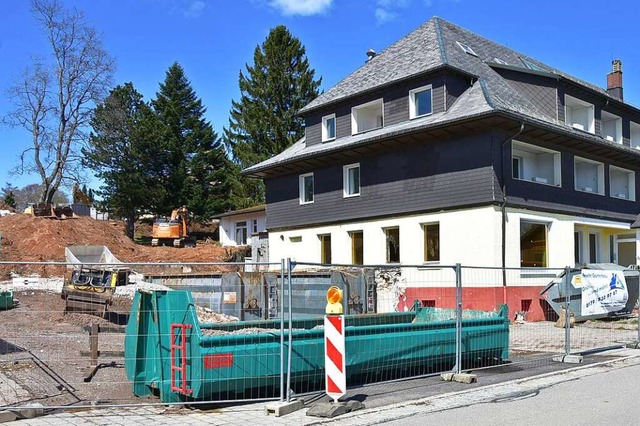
[(263, 122), (123, 153), (197, 166)]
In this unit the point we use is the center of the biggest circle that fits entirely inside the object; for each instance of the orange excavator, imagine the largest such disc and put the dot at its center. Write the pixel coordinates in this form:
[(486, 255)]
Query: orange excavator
[(172, 231)]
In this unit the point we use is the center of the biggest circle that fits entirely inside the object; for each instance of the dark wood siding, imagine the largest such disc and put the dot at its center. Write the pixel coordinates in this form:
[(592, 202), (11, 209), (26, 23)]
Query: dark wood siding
[(430, 176), (396, 106), (565, 197)]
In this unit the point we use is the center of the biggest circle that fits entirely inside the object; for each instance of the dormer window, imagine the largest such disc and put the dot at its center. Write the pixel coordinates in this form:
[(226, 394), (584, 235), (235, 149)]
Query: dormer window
[(420, 101), (328, 127), (367, 116), (466, 49), (635, 135), (579, 114), (611, 127)]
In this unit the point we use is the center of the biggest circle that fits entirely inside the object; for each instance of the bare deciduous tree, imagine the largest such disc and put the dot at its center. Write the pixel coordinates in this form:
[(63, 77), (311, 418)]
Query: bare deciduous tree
[(54, 98)]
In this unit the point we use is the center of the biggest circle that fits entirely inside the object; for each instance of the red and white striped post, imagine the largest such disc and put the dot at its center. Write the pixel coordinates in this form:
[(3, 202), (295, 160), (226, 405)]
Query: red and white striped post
[(334, 355)]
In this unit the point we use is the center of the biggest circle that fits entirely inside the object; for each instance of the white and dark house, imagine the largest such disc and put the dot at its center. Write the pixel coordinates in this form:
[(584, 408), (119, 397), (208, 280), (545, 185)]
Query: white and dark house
[(447, 147)]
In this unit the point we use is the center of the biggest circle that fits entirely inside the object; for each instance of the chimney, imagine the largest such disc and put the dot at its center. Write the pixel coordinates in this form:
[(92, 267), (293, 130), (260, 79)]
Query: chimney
[(370, 54), (614, 80)]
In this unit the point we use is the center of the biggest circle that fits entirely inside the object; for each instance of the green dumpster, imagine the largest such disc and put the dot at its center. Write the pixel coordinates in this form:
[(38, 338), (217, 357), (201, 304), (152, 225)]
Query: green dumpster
[(6, 300), (169, 353)]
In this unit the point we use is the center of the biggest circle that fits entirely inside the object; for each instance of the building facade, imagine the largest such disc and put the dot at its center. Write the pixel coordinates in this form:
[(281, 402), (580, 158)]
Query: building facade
[(449, 148)]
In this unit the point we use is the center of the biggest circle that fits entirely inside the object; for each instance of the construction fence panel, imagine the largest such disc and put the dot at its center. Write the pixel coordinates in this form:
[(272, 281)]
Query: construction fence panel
[(533, 335), (602, 306), (390, 334), (89, 335)]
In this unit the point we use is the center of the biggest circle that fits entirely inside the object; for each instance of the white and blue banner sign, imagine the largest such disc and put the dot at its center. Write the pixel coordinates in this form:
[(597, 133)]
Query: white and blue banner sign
[(602, 291)]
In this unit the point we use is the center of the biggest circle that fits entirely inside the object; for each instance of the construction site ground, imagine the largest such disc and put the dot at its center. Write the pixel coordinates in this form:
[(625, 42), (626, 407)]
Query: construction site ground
[(43, 352)]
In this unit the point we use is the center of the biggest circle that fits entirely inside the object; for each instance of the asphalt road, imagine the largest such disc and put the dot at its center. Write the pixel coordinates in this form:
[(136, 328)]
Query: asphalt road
[(606, 398)]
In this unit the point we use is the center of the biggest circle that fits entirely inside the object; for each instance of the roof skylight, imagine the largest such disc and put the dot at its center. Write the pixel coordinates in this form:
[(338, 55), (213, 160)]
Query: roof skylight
[(467, 49), (531, 65), (500, 61)]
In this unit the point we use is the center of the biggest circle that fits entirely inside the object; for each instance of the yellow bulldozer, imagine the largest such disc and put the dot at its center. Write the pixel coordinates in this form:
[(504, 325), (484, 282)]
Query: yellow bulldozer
[(172, 231)]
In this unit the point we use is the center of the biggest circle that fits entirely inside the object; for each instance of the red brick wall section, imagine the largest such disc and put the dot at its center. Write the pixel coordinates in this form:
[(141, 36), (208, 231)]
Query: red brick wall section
[(481, 298)]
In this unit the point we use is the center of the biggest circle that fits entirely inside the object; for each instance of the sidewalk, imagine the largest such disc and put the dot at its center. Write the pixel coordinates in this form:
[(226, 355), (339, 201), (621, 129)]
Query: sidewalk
[(255, 413)]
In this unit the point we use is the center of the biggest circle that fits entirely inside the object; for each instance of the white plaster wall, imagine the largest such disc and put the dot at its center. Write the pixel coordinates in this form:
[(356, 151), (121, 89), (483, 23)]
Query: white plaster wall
[(228, 226), (470, 237)]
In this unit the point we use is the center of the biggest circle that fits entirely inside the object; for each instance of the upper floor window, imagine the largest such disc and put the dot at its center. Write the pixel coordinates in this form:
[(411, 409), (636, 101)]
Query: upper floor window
[(588, 175), (306, 188), (420, 101), (611, 127), (622, 183), (328, 127), (367, 116), (535, 164), (351, 180), (635, 135), (579, 114)]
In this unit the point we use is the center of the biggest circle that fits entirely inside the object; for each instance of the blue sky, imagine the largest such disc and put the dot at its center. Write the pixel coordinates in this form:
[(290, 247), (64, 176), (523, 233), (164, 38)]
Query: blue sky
[(214, 39)]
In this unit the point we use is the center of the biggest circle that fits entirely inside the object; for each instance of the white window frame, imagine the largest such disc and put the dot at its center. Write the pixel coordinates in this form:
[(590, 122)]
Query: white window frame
[(413, 111), (569, 104), (240, 225), (355, 112), (345, 180), (526, 154), (600, 170), (634, 134), (325, 120), (631, 184), (607, 117), (301, 187)]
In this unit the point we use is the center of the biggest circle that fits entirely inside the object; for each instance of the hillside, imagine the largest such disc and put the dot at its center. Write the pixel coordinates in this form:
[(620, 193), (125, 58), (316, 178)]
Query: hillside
[(37, 239)]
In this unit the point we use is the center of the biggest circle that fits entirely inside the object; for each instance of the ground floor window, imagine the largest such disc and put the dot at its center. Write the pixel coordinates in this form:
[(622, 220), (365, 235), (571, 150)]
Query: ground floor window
[(533, 244), (393, 244), (431, 242), (357, 248), (325, 248), (241, 233)]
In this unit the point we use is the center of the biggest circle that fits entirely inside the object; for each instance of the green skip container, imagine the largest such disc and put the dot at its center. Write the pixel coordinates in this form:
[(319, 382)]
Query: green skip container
[(6, 300), (170, 354)]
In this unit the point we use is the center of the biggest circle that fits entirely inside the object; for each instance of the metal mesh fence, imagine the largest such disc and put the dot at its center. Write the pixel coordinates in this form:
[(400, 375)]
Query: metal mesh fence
[(118, 334), (88, 335)]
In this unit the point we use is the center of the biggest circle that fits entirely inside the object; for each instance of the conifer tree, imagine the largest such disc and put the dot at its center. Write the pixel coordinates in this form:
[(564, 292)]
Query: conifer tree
[(263, 122), (123, 153), (197, 169)]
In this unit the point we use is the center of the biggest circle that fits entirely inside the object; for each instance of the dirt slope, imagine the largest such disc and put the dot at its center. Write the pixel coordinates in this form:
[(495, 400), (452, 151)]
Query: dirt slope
[(28, 238)]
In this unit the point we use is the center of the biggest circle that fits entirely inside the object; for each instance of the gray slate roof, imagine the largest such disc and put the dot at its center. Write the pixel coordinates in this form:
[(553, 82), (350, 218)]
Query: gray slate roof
[(429, 47)]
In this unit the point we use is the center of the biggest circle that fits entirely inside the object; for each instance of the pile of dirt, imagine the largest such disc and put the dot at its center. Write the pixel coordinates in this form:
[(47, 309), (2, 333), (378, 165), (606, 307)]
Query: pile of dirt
[(5, 206), (36, 239)]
